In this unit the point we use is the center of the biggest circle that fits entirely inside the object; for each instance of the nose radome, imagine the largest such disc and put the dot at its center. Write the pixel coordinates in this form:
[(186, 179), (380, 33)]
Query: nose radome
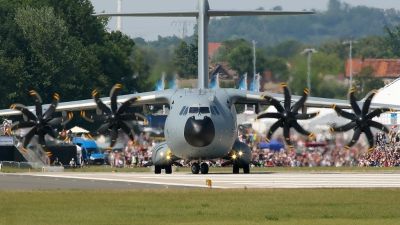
[(199, 133)]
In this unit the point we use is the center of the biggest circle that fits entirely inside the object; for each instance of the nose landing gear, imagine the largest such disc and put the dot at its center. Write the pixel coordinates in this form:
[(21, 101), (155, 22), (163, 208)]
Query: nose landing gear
[(196, 168)]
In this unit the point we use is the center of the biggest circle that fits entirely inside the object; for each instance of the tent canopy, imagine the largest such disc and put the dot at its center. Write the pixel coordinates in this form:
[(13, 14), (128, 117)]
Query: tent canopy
[(76, 130)]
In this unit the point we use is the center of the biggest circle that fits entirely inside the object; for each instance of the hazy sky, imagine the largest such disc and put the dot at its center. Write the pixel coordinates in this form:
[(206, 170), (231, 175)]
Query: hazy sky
[(150, 28)]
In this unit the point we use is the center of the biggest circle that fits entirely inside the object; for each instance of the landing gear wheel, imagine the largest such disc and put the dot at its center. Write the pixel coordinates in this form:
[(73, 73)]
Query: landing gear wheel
[(195, 168), (235, 169), (204, 168), (168, 169), (246, 169), (157, 169)]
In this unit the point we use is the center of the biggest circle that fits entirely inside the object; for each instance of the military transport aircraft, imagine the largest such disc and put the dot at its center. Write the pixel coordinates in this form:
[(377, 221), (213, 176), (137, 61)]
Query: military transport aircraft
[(201, 124)]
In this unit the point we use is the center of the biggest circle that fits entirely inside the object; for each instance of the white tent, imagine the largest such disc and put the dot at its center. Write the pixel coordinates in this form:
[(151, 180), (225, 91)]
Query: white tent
[(76, 130)]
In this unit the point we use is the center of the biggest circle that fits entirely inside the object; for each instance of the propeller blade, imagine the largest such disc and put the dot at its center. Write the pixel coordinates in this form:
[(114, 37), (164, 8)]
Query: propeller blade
[(286, 134), (61, 120), (38, 102), (269, 115), (356, 135), (49, 131), (378, 112), (288, 96), (126, 105), (300, 129), (101, 130), (345, 114), (344, 128), (127, 130), (99, 103), (370, 138), (113, 96), (52, 107), (28, 137), (272, 129), (133, 116), (353, 102), (114, 136), (274, 102), (83, 114), (23, 110), (306, 116), (301, 102), (42, 142), (377, 125), (367, 102), (22, 124)]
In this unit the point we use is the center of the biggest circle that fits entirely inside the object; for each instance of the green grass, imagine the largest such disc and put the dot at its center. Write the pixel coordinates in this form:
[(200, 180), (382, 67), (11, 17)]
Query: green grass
[(222, 170), (209, 206)]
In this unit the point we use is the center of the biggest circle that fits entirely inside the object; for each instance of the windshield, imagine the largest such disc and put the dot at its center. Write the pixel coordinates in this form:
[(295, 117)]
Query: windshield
[(94, 150), (199, 110)]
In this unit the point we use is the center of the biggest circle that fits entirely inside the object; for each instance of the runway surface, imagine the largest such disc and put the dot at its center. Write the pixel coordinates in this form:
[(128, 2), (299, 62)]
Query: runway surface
[(180, 180)]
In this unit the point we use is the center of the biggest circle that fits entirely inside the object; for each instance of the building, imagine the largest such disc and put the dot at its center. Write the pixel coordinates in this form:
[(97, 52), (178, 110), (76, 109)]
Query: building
[(387, 69)]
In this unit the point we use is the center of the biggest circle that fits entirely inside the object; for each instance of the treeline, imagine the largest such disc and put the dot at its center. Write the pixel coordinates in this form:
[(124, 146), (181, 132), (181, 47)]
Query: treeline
[(341, 20)]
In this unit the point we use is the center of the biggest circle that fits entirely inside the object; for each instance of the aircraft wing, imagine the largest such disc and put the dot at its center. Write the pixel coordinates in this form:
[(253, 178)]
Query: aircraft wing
[(146, 98), (253, 97)]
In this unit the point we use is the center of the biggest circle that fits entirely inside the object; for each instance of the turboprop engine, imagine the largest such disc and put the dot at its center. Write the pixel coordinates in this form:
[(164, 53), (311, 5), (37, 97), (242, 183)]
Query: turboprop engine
[(240, 157)]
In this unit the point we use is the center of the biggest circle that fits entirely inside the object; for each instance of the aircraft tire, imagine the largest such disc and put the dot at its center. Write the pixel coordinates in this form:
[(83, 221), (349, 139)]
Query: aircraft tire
[(168, 169), (246, 169), (204, 168), (235, 169), (195, 168), (157, 169)]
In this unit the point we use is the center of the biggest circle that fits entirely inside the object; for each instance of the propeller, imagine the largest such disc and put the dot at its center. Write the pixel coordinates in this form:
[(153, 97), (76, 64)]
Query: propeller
[(113, 118), (40, 124), (361, 119), (287, 116)]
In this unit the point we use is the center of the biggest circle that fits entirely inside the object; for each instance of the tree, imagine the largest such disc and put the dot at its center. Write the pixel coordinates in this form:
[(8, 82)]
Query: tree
[(365, 81), (186, 59), (393, 40)]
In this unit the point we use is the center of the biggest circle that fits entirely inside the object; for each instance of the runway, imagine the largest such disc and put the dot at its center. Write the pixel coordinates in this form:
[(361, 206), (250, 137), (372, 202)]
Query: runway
[(180, 180)]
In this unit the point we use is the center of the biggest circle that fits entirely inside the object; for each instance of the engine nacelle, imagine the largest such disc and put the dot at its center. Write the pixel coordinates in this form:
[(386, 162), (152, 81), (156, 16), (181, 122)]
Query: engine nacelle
[(162, 155), (240, 154)]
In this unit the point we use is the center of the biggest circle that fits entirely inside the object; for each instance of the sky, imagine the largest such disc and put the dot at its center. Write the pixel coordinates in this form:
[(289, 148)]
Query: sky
[(150, 28)]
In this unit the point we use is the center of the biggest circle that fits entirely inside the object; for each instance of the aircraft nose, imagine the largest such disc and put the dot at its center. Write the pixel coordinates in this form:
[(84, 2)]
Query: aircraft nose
[(199, 133)]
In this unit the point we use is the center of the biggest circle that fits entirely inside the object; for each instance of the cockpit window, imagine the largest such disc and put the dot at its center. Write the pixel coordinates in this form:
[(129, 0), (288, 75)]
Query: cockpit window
[(194, 110), (212, 111), (201, 110), (183, 109), (204, 110), (216, 110)]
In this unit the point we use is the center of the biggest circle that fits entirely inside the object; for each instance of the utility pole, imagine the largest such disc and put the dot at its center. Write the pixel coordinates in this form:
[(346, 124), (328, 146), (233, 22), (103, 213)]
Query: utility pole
[(309, 51), (254, 57), (185, 24), (350, 42), (119, 22)]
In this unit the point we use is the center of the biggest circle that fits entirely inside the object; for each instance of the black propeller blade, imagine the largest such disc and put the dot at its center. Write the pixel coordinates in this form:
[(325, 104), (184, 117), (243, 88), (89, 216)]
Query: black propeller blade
[(287, 117), (361, 119), (113, 117), (41, 122)]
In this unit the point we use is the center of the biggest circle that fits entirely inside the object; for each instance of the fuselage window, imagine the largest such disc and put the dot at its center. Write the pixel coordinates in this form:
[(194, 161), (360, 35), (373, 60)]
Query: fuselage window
[(212, 111), (216, 110), (183, 109)]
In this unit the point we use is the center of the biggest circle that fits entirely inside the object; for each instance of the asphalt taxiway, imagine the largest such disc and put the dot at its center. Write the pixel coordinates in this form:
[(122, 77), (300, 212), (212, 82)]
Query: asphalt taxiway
[(180, 180)]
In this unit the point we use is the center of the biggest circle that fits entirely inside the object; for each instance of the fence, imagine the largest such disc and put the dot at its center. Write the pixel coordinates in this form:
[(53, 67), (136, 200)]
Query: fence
[(20, 165)]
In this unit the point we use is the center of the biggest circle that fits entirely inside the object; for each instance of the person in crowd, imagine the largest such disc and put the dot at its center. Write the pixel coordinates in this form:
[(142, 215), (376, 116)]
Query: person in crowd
[(57, 162), (79, 161), (72, 163)]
